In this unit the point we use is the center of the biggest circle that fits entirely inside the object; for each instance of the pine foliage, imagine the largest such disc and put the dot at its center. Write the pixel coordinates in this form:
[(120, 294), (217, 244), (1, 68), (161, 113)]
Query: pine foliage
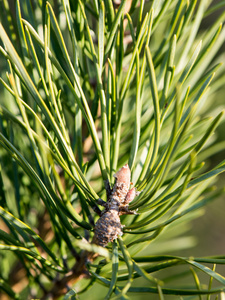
[(89, 86)]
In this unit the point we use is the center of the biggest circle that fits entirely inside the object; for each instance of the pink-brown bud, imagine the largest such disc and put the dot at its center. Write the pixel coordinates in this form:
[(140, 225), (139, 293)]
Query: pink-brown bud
[(122, 184), (130, 195), (123, 175)]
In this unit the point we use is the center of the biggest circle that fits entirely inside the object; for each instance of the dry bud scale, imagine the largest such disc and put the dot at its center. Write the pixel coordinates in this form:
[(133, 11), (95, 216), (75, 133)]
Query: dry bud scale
[(109, 227)]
